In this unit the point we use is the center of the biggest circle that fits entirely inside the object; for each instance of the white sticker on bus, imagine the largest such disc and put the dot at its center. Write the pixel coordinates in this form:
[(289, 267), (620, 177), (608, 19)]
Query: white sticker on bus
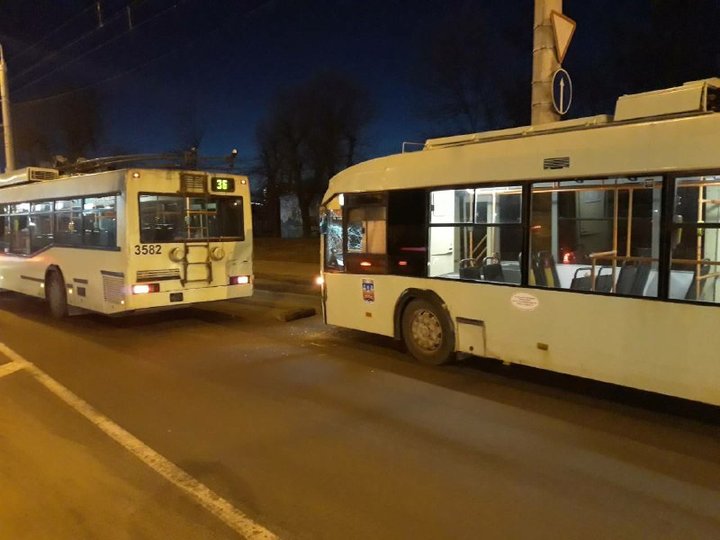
[(524, 301)]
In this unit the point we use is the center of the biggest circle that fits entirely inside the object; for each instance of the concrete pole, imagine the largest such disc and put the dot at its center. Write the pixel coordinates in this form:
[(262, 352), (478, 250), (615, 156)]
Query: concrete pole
[(6, 123), (544, 62)]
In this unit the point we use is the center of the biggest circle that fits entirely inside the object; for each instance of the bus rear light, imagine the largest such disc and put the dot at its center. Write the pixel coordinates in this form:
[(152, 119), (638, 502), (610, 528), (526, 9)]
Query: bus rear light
[(402, 263), (239, 280), (365, 263), (145, 288)]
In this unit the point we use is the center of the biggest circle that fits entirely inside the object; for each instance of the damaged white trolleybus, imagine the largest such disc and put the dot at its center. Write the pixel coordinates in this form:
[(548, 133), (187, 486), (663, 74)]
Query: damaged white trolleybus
[(125, 240), (589, 247)]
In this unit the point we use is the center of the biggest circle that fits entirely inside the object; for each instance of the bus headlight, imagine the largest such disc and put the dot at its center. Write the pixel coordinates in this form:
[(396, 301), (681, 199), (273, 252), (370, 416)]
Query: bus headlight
[(177, 254), (217, 253), (239, 280)]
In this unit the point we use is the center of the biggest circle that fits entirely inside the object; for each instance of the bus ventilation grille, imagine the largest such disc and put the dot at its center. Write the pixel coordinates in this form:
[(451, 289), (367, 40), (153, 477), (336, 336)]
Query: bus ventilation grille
[(556, 163), (193, 183), (158, 275), (42, 174), (113, 289)]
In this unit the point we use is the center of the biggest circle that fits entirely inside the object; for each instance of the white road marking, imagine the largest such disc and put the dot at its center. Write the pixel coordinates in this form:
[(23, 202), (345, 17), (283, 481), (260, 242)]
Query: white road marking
[(213, 502), (10, 367)]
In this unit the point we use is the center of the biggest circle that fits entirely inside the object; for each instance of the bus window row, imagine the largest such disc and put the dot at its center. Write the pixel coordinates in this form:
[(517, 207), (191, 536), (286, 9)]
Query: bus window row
[(601, 235), (29, 227)]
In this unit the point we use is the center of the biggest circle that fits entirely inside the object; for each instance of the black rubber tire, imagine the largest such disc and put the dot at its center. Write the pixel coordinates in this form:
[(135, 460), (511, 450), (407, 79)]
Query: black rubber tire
[(428, 333), (55, 294)]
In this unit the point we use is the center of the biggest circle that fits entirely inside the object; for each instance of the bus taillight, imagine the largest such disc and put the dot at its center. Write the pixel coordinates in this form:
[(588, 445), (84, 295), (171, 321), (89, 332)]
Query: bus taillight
[(239, 280), (145, 288)]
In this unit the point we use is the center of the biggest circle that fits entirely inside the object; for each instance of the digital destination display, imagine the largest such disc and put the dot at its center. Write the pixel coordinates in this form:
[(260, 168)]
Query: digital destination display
[(222, 184)]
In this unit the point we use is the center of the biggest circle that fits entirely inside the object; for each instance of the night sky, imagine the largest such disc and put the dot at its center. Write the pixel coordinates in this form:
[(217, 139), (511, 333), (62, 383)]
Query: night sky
[(215, 66)]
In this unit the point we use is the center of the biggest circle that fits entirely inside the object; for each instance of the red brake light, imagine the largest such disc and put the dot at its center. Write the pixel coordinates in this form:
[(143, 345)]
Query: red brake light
[(145, 288)]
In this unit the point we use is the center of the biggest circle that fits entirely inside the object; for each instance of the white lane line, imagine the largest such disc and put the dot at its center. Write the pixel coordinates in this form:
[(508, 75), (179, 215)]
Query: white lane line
[(213, 502), (10, 367)]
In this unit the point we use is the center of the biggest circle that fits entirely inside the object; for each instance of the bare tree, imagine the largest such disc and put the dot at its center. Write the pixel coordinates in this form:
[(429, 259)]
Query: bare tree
[(69, 125), (471, 70), (189, 127), (312, 132)]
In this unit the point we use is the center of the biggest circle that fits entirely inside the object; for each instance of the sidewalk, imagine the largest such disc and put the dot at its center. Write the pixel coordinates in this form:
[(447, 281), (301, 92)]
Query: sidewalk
[(291, 272), (289, 265)]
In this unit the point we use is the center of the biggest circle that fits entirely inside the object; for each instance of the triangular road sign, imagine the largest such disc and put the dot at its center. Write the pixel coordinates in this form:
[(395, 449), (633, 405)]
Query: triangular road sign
[(563, 29)]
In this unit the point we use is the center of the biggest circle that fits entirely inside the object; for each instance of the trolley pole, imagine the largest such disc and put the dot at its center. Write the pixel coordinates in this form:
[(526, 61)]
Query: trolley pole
[(544, 62), (6, 123)]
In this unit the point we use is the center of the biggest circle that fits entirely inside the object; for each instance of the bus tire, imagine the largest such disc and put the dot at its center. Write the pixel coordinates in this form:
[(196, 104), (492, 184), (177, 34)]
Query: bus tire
[(55, 293), (428, 333)]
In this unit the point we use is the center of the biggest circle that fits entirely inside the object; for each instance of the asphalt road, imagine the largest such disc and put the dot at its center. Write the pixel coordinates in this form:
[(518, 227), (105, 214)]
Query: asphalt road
[(227, 418)]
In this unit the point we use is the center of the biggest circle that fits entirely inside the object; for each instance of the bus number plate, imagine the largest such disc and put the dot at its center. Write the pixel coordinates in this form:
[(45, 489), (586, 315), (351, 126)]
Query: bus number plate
[(148, 249)]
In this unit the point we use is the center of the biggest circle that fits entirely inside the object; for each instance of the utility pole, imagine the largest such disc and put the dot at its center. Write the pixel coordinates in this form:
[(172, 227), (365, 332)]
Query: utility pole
[(544, 62), (6, 123)]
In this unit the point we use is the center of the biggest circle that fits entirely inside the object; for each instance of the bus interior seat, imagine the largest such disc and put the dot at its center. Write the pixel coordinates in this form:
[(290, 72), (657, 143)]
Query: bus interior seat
[(582, 282), (492, 269), (604, 282), (641, 279), (469, 269), (536, 272), (626, 279), (547, 270)]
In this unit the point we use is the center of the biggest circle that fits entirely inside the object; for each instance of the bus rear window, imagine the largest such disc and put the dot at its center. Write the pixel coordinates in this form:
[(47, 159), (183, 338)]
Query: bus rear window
[(171, 218)]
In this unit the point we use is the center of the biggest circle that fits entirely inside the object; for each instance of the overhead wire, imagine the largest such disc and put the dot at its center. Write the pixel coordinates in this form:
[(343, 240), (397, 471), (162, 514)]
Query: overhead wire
[(57, 52), (139, 67), (98, 47), (35, 45)]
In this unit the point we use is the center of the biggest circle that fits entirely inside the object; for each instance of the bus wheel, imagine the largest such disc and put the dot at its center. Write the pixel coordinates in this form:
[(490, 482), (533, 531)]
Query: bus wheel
[(55, 294), (428, 333)]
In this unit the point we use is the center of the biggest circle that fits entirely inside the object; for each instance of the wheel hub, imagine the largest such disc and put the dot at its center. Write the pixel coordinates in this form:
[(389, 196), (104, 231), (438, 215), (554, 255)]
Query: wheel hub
[(426, 330)]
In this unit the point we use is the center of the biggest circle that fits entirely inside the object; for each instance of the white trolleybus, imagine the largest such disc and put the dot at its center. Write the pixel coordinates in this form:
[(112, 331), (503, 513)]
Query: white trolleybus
[(120, 241), (589, 247)]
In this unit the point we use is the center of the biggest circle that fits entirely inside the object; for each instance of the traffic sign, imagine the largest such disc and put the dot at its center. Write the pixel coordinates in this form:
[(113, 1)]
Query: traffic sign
[(562, 91), (563, 30)]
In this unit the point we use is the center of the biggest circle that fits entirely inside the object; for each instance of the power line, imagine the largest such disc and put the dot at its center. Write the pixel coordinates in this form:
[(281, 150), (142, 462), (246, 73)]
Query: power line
[(102, 81), (139, 67), (51, 33), (98, 47), (55, 53)]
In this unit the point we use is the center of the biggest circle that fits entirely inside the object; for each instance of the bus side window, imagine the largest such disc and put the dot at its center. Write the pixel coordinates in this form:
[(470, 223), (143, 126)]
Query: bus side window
[(331, 225), (598, 235), (407, 232), (695, 240), (3, 229), (476, 234), (366, 233), (19, 235)]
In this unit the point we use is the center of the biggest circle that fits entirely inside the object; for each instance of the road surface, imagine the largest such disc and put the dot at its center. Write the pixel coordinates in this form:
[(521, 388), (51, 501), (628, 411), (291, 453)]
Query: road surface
[(228, 422)]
